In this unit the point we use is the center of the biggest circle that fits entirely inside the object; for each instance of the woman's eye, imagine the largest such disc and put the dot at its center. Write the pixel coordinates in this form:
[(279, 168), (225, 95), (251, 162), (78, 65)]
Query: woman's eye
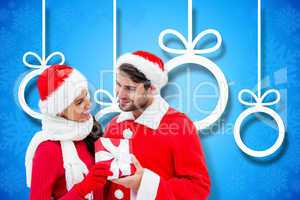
[(79, 102)]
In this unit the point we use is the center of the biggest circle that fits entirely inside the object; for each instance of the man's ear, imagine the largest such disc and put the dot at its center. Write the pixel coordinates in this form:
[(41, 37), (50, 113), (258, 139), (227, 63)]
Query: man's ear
[(152, 90)]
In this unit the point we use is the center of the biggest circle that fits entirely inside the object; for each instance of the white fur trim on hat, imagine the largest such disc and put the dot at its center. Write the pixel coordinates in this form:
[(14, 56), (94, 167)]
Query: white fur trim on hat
[(65, 94), (151, 70)]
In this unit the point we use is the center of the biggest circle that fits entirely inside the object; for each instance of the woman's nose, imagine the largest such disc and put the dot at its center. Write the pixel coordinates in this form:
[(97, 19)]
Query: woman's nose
[(87, 104)]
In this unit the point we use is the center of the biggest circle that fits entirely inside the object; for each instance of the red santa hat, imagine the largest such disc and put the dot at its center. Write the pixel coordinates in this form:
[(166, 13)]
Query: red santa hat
[(148, 64), (59, 86)]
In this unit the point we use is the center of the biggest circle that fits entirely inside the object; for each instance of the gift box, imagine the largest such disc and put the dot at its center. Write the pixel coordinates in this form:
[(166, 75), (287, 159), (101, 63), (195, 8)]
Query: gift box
[(118, 153)]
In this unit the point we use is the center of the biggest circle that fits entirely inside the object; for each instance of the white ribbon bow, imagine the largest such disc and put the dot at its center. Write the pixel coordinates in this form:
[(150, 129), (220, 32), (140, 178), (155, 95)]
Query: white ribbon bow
[(120, 155), (112, 100), (190, 45), (109, 107), (259, 100), (43, 62)]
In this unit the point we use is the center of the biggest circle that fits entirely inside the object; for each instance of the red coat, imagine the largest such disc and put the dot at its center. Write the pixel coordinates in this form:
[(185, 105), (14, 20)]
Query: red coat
[(48, 173), (167, 145)]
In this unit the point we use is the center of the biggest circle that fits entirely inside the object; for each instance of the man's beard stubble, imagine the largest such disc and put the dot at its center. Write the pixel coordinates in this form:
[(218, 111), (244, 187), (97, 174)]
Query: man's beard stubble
[(134, 107)]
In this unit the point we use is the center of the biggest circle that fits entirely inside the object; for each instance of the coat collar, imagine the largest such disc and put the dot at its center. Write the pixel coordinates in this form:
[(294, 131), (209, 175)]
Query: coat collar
[(152, 115)]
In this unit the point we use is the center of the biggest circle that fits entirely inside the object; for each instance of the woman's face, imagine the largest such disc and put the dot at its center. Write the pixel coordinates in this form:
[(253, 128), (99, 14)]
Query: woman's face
[(79, 108)]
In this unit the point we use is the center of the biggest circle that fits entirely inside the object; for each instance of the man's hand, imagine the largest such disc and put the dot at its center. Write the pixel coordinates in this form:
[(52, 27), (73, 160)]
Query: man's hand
[(133, 181)]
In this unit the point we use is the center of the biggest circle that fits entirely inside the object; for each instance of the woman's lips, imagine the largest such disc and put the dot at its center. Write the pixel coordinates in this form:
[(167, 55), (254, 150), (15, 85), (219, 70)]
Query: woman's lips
[(87, 112)]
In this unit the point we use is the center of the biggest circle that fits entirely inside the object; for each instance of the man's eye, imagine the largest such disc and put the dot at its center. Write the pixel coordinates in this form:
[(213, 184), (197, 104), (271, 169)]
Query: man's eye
[(131, 89)]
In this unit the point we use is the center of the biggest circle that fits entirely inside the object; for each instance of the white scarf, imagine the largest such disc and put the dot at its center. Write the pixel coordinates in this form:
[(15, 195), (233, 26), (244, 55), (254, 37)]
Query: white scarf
[(65, 131)]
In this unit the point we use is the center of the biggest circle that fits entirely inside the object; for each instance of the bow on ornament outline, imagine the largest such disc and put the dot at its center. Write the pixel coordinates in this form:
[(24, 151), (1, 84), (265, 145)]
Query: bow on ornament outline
[(190, 45), (259, 100)]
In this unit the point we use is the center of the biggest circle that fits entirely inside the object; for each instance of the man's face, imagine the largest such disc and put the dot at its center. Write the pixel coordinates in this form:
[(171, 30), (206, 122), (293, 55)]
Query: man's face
[(131, 96)]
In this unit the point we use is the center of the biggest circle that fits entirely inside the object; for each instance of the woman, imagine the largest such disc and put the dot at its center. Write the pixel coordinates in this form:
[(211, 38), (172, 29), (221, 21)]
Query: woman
[(60, 158)]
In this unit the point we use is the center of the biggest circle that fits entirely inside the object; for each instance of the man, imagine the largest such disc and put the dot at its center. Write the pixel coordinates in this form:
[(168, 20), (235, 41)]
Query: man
[(168, 157)]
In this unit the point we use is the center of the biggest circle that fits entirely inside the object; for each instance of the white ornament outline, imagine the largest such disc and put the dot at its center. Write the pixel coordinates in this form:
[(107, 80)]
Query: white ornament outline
[(37, 68), (112, 106), (259, 105), (189, 54), (192, 55)]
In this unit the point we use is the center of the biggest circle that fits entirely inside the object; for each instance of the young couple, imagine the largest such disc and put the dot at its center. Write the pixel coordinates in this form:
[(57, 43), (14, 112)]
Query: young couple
[(167, 153)]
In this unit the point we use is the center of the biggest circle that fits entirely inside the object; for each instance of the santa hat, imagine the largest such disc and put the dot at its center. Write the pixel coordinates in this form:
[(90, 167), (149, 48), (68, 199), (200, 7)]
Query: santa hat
[(148, 64), (59, 86)]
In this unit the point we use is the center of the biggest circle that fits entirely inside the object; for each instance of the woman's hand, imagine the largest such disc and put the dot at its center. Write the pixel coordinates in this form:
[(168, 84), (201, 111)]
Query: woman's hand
[(96, 177)]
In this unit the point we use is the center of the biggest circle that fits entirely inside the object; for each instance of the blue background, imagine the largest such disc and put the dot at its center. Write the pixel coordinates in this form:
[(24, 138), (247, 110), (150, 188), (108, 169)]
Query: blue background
[(83, 32)]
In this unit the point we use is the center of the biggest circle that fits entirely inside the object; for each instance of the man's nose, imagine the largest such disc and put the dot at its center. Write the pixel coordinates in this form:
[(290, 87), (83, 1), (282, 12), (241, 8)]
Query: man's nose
[(122, 93)]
